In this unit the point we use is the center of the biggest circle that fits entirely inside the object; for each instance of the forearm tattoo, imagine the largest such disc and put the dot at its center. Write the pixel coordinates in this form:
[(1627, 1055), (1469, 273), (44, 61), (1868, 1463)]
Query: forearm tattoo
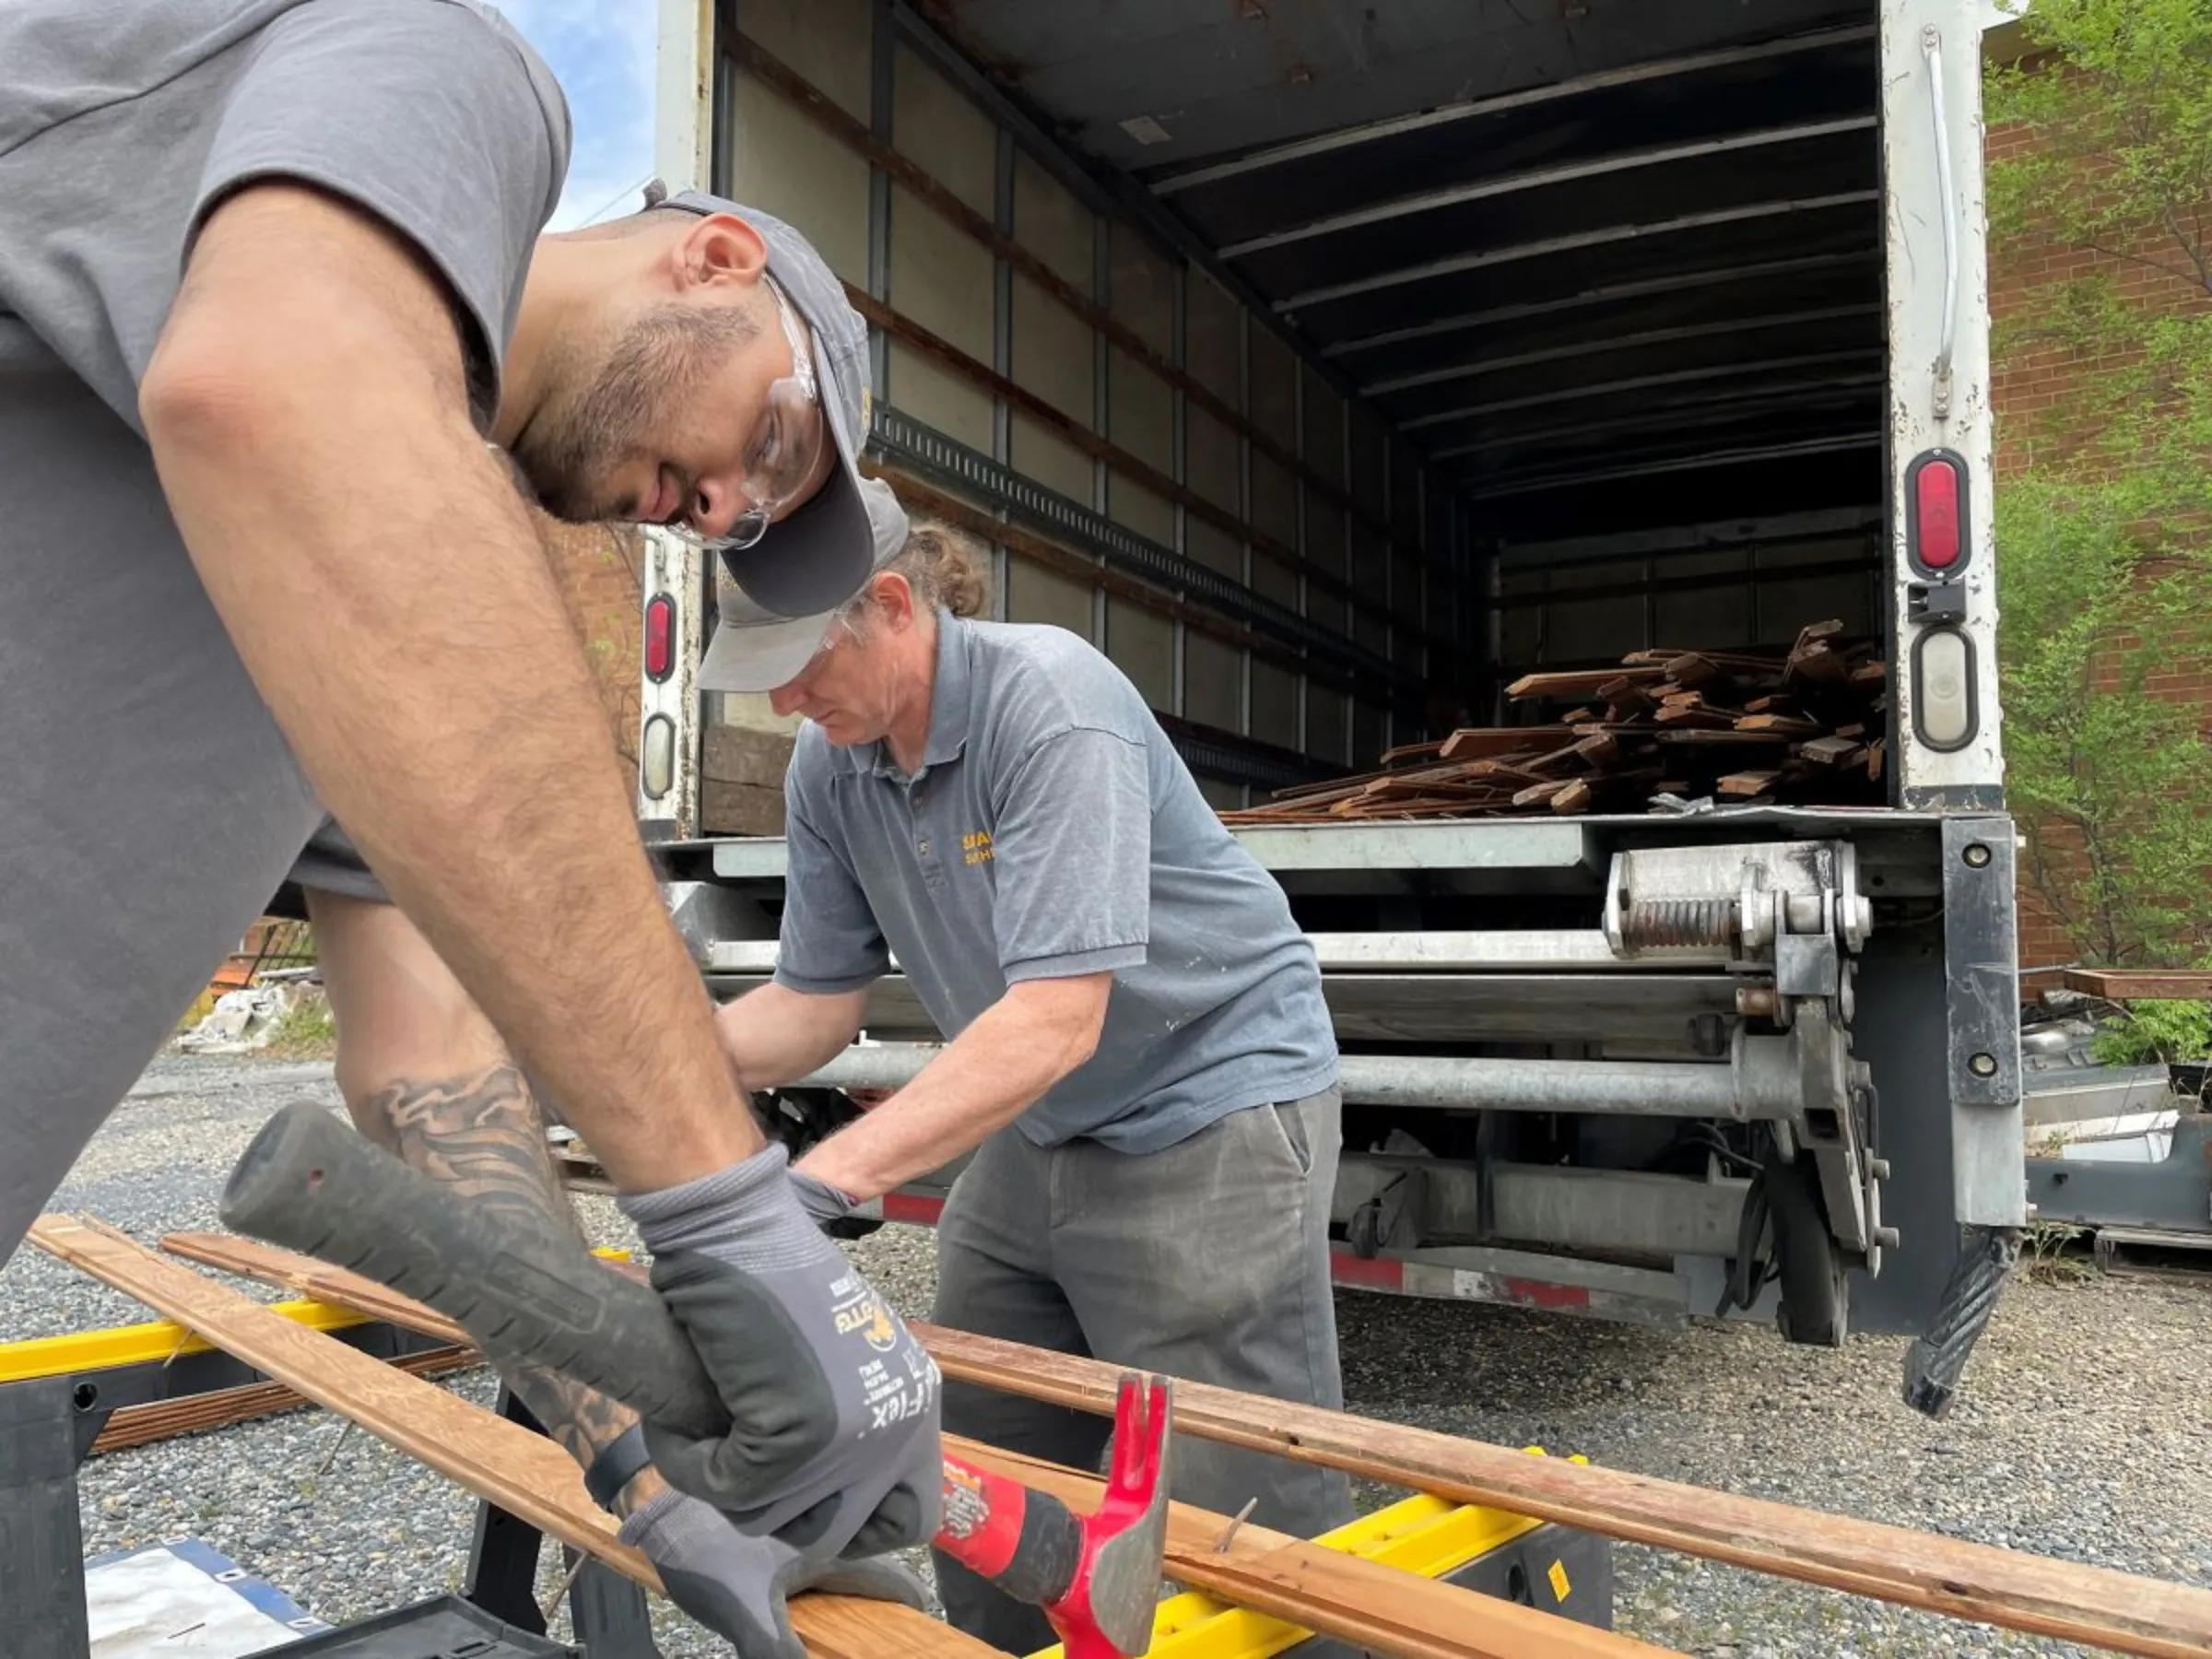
[(484, 1135)]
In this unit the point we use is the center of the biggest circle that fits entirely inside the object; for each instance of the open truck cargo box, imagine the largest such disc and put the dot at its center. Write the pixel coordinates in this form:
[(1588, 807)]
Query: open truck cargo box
[(1332, 365)]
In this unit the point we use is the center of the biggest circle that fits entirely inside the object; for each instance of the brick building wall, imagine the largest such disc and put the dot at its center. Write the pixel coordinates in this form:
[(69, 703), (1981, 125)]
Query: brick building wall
[(596, 566), (2034, 389)]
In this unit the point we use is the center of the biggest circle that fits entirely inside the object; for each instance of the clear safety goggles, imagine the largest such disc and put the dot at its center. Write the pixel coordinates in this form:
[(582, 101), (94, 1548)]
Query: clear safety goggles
[(785, 447)]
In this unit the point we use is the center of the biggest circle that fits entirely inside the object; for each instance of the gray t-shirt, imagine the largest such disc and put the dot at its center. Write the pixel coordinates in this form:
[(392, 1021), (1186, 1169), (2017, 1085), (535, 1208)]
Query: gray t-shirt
[(1051, 831), (149, 804), (124, 122)]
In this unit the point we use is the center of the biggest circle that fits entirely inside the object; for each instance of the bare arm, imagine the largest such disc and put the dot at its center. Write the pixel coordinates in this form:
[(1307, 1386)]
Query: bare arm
[(1021, 1045), (384, 586), (776, 1035), (426, 1077)]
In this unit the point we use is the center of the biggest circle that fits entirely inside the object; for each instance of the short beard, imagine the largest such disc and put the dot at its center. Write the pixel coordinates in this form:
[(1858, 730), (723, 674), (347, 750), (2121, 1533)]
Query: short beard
[(660, 362)]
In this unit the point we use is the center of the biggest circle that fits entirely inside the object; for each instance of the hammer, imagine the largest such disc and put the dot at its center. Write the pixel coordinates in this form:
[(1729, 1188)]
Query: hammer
[(528, 1290)]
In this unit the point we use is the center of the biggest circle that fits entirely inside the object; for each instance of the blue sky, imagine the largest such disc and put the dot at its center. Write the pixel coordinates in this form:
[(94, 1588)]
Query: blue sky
[(601, 50)]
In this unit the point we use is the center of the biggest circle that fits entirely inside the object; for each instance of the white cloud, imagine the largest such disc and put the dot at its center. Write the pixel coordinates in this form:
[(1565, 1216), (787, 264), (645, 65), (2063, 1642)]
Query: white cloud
[(601, 52)]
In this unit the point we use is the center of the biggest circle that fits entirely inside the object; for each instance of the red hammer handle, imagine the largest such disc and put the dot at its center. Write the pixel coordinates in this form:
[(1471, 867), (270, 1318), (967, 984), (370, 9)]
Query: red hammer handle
[(1025, 1542), (1097, 1578)]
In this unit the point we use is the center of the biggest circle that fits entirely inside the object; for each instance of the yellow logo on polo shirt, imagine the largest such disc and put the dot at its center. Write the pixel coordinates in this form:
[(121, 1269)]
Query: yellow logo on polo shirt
[(975, 847)]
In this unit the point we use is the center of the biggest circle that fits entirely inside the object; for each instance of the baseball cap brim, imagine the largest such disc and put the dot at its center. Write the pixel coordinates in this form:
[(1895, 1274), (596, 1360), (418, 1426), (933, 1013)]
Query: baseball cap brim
[(756, 648), (762, 657)]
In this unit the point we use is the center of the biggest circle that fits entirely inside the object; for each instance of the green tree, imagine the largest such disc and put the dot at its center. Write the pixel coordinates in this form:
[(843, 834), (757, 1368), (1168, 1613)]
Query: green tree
[(2103, 519)]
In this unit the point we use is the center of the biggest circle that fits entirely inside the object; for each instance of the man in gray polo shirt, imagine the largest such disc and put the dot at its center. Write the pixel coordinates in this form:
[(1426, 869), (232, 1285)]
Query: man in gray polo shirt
[(1138, 1052), (283, 357)]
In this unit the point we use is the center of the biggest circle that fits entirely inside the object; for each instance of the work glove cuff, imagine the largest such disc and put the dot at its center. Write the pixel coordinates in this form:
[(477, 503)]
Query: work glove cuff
[(747, 1215)]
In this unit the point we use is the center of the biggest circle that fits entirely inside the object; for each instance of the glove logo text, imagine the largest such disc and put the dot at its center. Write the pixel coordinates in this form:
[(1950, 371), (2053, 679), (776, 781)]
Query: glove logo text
[(872, 1319)]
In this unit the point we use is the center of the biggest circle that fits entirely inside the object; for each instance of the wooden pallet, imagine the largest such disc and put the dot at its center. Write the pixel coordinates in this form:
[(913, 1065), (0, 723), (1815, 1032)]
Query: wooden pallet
[(1802, 726)]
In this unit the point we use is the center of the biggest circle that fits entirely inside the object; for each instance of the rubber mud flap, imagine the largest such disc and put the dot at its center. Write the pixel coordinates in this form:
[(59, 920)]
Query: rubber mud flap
[(1987, 1256)]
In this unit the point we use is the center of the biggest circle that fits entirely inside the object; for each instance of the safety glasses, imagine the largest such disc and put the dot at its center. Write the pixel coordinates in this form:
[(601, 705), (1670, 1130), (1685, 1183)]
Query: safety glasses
[(785, 446)]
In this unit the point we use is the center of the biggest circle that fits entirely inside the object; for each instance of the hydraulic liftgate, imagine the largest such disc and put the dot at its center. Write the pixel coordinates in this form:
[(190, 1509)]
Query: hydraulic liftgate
[(1727, 972)]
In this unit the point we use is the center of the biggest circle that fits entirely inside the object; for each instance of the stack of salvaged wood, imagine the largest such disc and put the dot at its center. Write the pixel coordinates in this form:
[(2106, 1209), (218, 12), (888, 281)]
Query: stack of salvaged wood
[(1800, 726)]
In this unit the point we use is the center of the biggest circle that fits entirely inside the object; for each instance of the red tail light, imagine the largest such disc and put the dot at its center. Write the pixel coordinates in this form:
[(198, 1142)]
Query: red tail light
[(660, 637), (1936, 504)]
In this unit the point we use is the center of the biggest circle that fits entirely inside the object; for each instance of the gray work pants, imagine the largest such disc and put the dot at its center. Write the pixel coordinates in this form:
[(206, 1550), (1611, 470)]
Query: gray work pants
[(1208, 1260)]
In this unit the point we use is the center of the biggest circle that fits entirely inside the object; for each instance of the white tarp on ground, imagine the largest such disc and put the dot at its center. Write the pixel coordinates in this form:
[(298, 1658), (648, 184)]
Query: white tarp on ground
[(182, 1600), (240, 1021)]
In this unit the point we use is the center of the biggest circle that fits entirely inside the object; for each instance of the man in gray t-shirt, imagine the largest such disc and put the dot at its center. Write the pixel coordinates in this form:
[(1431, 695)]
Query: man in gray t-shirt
[(1138, 1053), (279, 338)]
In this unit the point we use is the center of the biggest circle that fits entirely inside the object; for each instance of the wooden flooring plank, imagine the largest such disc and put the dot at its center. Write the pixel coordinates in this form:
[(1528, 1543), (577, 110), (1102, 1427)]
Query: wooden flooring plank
[(2122, 1612), (2121, 984), (153, 1421), (1579, 682), (1479, 743), (2099, 1607), (1365, 1603), (1289, 1578), (524, 1473)]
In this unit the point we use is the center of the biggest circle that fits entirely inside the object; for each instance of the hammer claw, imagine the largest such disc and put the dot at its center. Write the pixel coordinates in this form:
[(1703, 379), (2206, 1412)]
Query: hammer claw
[(1108, 1611)]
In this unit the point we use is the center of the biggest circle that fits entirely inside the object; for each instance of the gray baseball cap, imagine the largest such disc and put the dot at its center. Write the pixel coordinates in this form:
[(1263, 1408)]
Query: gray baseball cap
[(812, 559), (757, 650)]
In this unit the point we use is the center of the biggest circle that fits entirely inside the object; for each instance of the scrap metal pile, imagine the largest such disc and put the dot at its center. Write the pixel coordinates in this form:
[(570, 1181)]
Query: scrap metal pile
[(1800, 726)]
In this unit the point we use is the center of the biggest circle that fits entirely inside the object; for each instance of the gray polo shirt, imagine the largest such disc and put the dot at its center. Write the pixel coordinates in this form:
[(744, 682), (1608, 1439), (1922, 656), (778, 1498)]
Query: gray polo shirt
[(1051, 831)]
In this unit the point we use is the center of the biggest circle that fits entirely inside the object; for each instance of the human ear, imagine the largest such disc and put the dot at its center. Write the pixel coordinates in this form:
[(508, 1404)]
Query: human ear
[(721, 249), (894, 596)]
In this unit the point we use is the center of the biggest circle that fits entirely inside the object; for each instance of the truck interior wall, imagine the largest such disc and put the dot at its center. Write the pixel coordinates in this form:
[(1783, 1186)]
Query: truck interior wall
[(1222, 441), (1597, 277), (1559, 616)]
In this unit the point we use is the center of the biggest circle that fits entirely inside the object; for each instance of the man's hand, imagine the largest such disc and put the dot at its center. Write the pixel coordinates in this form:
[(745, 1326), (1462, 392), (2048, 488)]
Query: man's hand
[(737, 1584), (825, 1204), (834, 1406)]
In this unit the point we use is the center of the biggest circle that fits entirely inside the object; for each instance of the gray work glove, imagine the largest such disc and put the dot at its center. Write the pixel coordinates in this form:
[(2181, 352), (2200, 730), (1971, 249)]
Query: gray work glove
[(736, 1584), (833, 1445)]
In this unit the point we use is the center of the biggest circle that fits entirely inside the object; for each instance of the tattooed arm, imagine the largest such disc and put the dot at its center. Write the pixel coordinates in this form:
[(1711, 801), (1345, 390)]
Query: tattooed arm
[(427, 1079)]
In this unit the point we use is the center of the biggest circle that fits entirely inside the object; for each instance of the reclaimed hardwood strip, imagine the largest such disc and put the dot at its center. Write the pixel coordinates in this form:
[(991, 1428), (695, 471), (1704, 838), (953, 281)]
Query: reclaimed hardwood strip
[(1288, 1578), (1364, 1603), (1431, 750), (524, 1473), (2125, 984), (153, 1421), (1483, 743), (1839, 750), (1748, 782), (1732, 739), (2122, 1612), (1580, 683)]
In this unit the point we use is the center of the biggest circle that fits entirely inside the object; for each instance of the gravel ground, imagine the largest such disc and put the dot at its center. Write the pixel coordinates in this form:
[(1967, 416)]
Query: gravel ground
[(2080, 1435)]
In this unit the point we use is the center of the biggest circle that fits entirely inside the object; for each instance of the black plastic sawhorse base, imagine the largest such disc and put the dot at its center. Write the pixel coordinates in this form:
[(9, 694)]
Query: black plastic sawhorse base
[(610, 1615), (47, 1427), (41, 1537)]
